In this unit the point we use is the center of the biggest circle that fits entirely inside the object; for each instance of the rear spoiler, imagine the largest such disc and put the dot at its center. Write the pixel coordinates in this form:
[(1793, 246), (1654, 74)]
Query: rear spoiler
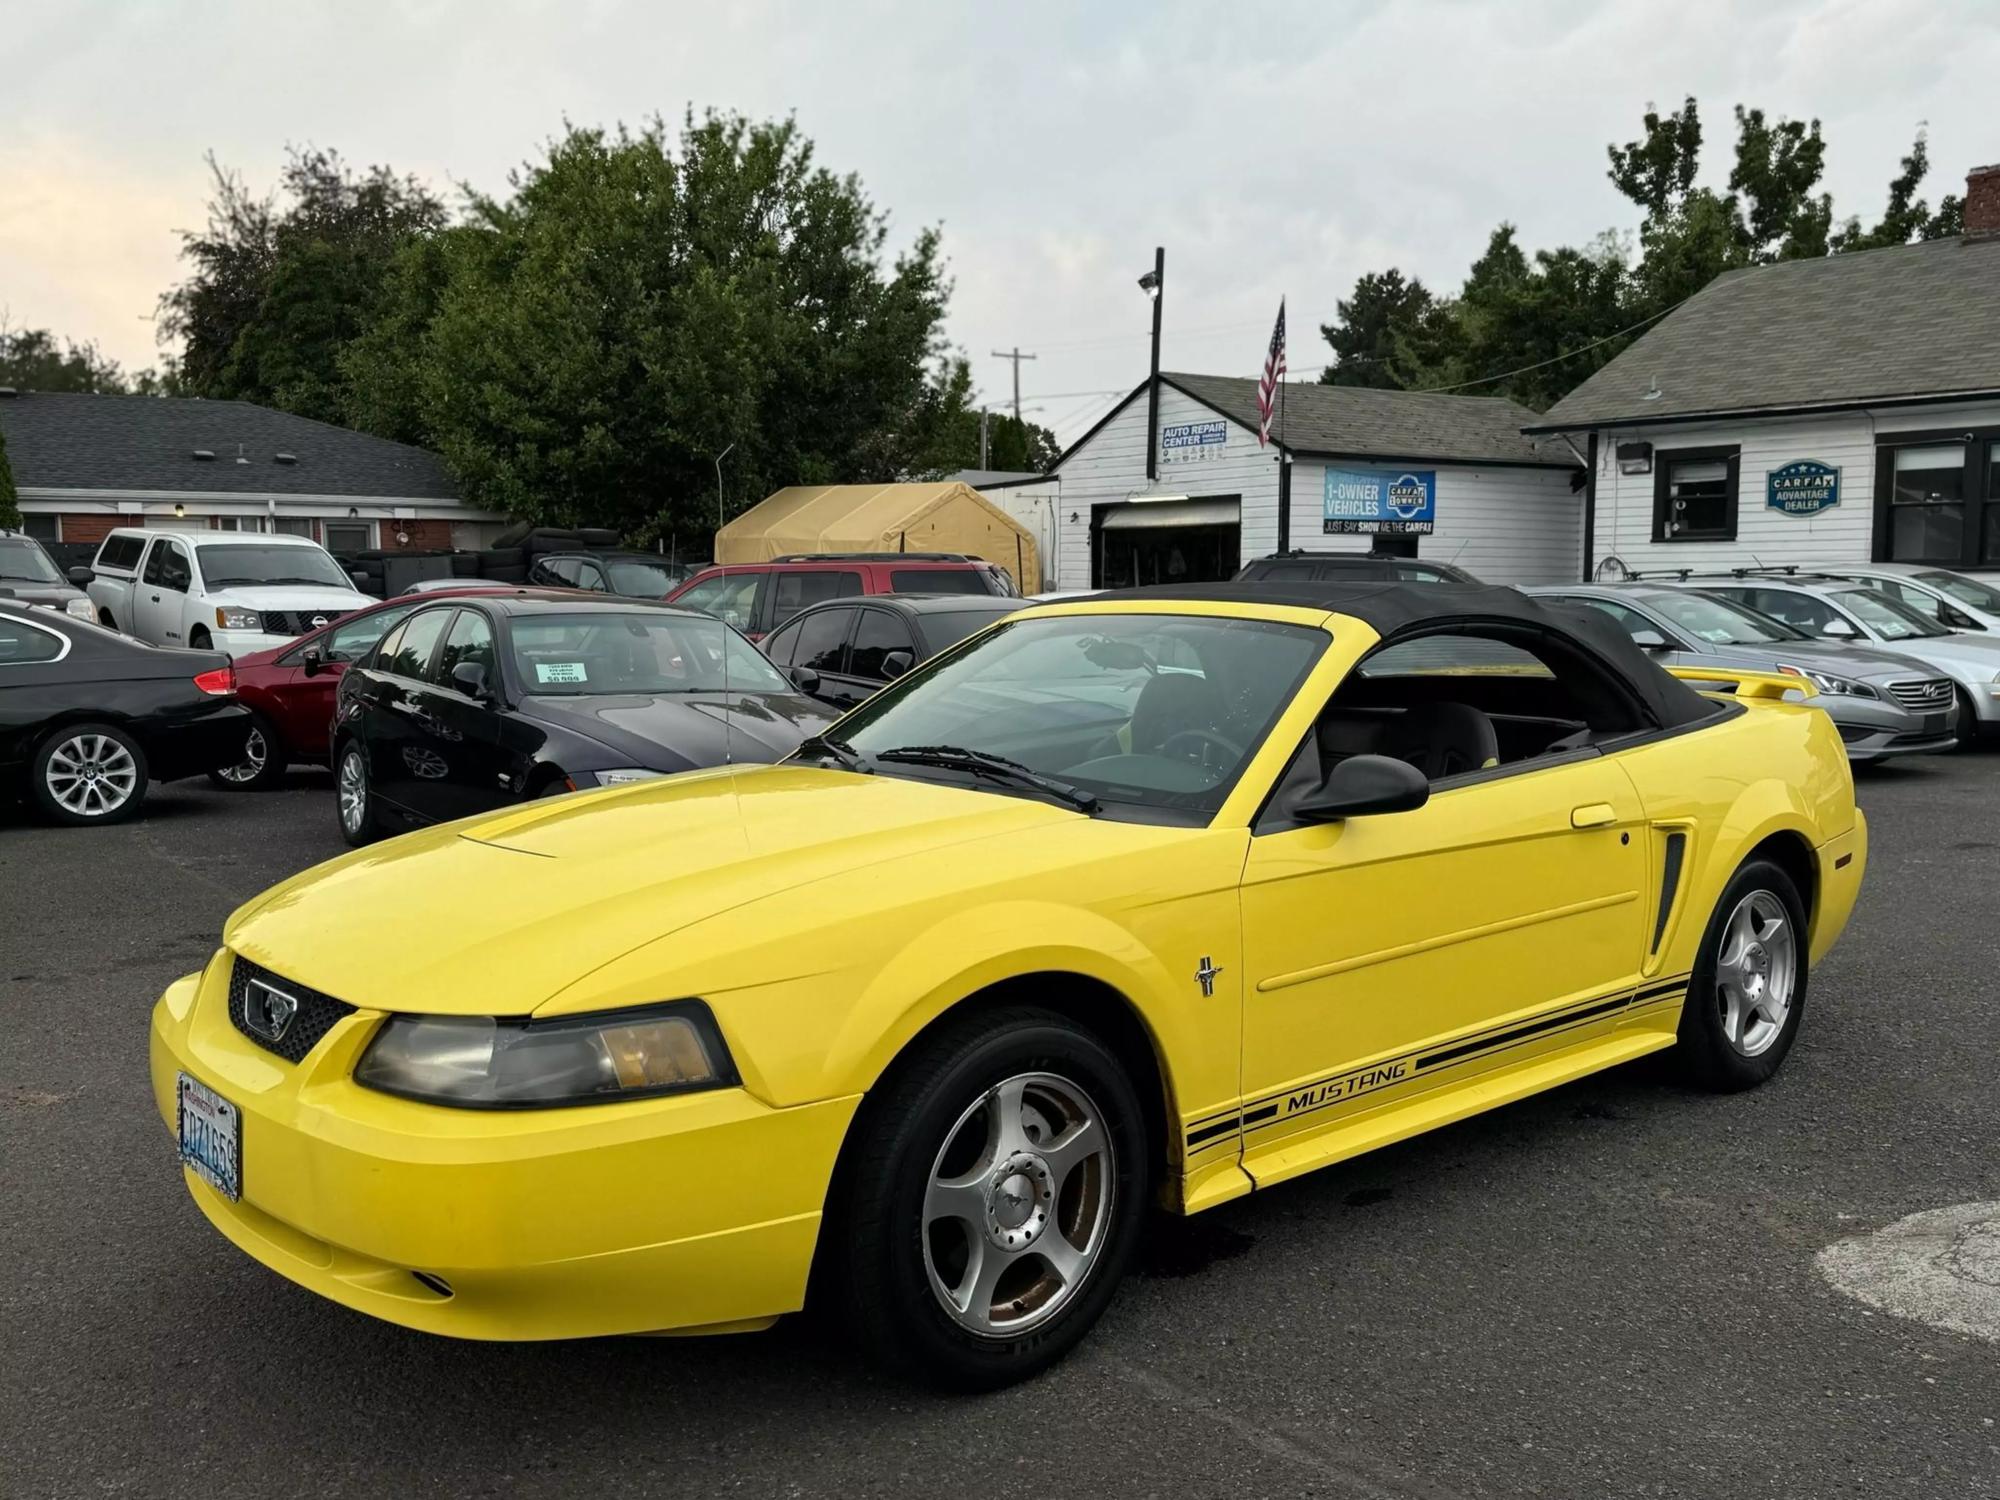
[(1768, 686)]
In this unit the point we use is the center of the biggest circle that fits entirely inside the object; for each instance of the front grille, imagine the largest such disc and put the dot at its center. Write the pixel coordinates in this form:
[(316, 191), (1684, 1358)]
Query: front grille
[(297, 621), (1926, 696), (315, 1017)]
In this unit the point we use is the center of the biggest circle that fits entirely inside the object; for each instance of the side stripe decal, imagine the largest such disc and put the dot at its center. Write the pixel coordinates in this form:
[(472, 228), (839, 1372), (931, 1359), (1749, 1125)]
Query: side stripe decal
[(1337, 1088)]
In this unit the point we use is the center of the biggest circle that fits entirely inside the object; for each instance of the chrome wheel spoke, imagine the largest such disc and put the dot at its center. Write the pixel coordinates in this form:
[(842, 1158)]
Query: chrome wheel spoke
[(962, 1198), (1008, 1131), (1061, 1256), (1072, 1148)]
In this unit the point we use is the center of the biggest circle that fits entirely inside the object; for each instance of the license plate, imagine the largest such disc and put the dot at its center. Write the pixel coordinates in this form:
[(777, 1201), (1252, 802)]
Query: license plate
[(1934, 723), (211, 1138)]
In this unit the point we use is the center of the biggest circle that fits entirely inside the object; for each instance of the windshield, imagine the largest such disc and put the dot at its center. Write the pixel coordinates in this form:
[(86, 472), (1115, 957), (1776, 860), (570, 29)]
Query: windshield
[(642, 652), (1964, 590), (1721, 623), (1157, 711), (642, 580), (23, 561), (265, 563), (1887, 618)]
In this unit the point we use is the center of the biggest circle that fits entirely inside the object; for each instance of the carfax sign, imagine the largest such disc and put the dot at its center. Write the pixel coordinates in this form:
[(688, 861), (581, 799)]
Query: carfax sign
[(1382, 502), (1803, 487), (1193, 442)]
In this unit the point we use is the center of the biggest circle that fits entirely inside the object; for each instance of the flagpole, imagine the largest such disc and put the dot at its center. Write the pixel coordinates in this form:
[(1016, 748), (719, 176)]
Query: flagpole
[(1284, 458)]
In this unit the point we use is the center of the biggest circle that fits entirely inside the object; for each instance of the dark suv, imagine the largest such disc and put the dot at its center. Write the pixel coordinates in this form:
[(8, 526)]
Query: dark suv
[(759, 597), (1321, 567), (633, 575)]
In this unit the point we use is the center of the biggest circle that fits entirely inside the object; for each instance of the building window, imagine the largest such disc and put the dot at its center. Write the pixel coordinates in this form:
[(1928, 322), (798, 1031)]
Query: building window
[(349, 536), (293, 526), (1694, 495), (1927, 504), (1992, 507), (43, 528)]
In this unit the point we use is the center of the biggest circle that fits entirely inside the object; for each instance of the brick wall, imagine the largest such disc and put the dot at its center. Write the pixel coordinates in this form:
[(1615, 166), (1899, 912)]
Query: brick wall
[(92, 528), (424, 536), (1982, 200)]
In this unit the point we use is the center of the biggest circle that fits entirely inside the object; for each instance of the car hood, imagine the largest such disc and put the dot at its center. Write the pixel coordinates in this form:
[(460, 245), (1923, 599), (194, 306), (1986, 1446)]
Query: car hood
[(1868, 663), (56, 595), (1976, 655), (495, 915), (333, 601), (683, 731)]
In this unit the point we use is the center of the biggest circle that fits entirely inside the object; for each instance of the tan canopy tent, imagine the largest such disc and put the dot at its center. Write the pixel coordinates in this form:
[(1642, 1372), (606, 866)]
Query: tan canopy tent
[(944, 517)]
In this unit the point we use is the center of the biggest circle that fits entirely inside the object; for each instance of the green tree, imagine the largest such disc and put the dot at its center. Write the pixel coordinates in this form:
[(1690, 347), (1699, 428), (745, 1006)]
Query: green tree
[(1907, 217), (275, 294), (584, 348), (10, 498), (32, 360), (1388, 331)]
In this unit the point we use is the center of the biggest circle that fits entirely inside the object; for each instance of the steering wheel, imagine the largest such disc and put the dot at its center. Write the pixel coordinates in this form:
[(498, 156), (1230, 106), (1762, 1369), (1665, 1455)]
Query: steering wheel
[(1202, 737)]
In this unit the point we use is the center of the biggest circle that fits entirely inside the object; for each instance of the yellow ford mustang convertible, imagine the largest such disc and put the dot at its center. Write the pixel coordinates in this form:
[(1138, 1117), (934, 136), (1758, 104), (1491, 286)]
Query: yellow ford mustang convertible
[(1157, 898)]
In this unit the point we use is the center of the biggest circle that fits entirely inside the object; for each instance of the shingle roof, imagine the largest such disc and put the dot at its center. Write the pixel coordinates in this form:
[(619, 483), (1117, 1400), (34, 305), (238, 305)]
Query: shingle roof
[(1909, 321), (1354, 422), (124, 443)]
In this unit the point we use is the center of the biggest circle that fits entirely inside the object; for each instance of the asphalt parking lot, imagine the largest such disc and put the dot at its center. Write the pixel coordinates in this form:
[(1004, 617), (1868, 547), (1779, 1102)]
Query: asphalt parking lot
[(1607, 1290)]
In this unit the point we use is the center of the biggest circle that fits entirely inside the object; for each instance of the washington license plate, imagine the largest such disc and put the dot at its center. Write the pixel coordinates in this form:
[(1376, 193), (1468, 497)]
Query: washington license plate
[(211, 1138)]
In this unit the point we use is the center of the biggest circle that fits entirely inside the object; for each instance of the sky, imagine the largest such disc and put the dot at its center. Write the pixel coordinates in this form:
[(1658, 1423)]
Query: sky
[(1273, 149)]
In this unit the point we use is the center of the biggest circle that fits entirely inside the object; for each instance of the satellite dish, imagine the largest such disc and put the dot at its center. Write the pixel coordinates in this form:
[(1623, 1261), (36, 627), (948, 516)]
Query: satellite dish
[(1612, 570)]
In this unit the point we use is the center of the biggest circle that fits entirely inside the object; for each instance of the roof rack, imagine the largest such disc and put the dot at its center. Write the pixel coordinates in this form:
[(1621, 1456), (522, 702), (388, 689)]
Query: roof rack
[(804, 557), (1683, 574), (1765, 569)]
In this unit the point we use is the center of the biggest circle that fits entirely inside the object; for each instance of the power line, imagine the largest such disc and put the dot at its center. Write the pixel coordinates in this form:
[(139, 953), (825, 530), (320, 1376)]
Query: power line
[(1017, 356), (1556, 359)]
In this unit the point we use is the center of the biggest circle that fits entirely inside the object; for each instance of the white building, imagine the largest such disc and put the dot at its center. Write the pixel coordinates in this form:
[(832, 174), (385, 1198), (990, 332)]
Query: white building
[(1450, 478), (1831, 411)]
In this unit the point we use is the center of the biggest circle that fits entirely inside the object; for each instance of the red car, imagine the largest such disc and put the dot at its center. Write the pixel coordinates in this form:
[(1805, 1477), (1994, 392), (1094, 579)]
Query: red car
[(759, 597), (289, 689)]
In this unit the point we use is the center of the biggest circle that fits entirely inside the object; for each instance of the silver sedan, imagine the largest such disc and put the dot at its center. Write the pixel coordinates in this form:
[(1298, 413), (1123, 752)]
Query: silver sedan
[(1880, 705)]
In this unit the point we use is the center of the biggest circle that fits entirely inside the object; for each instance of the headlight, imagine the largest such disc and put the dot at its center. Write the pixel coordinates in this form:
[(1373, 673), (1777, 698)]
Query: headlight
[(626, 774), (238, 619), (478, 1062), (1826, 682), (79, 609)]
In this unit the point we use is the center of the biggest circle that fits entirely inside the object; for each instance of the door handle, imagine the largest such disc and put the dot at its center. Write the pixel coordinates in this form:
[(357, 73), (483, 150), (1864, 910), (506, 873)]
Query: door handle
[(1592, 815)]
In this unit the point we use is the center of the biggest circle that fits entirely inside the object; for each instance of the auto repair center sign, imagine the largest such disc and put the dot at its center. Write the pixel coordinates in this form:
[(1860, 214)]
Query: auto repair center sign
[(1380, 502)]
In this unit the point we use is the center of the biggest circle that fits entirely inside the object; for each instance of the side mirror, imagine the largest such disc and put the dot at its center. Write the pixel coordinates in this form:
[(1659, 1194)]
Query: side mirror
[(1649, 640), (896, 663), (805, 679), (312, 662), (1838, 630), (469, 677), (1364, 784), (82, 577)]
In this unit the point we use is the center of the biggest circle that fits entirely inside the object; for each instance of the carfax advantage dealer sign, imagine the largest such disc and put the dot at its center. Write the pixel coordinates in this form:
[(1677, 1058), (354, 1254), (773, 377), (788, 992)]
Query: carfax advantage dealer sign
[(1380, 502)]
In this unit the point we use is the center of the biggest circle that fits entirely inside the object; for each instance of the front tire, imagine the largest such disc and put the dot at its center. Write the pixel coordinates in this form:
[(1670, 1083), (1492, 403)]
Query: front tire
[(89, 773), (263, 764), (200, 640), (989, 1200), (1747, 996), (360, 824), (1968, 721)]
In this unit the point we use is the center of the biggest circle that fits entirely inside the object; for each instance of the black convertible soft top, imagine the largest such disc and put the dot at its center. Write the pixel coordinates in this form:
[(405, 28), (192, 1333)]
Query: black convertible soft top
[(1411, 608)]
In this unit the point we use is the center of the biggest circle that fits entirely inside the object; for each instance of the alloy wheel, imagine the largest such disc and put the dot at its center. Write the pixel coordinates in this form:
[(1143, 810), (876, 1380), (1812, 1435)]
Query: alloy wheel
[(255, 754), (353, 793), (1018, 1207), (91, 775), (1756, 973)]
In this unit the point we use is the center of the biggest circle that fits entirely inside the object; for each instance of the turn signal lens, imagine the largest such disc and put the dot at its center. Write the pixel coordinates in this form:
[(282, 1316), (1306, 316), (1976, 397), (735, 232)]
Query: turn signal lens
[(653, 1053), (237, 619), (221, 683)]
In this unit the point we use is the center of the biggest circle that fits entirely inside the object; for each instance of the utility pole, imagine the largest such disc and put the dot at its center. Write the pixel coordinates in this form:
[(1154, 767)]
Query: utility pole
[(983, 415), (1154, 285), (1017, 356)]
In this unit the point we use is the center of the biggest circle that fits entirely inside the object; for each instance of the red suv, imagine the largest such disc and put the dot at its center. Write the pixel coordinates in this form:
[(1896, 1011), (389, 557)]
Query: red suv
[(759, 597)]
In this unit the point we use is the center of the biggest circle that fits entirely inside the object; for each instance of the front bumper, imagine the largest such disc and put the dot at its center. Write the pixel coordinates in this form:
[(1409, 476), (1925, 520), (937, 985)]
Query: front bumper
[(1873, 729), (682, 1213)]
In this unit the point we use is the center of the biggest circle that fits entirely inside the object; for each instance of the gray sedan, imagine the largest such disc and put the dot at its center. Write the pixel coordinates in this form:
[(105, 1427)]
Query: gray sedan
[(1832, 609), (1880, 705)]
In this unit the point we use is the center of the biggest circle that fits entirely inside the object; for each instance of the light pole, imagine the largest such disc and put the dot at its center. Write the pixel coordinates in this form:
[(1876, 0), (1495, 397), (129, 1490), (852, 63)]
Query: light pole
[(1154, 285)]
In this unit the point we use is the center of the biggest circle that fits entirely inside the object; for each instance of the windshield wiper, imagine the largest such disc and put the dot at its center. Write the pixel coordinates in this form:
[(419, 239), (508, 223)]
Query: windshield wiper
[(839, 752), (979, 763)]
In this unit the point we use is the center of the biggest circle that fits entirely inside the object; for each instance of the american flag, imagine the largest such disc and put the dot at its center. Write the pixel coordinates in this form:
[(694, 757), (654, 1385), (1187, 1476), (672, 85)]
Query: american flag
[(1274, 371)]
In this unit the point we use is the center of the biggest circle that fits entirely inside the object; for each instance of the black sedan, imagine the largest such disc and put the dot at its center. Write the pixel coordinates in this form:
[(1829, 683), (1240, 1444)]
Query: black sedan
[(88, 718), (843, 650), (482, 700)]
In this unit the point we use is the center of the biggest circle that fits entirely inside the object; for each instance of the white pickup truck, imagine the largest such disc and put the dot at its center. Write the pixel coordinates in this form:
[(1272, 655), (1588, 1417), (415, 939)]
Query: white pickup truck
[(228, 591)]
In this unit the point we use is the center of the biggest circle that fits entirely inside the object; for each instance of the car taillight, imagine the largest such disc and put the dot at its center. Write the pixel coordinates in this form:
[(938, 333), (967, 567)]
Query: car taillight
[(221, 683)]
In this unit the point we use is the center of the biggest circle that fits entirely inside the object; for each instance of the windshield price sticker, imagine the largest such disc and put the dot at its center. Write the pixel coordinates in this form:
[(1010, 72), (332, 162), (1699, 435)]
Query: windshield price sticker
[(560, 671)]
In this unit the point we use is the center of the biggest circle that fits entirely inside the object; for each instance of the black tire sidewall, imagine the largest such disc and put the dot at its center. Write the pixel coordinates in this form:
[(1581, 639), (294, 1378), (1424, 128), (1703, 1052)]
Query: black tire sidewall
[(1968, 720), (1706, 1055), (892, 1307), (275, 763), (54, 810)]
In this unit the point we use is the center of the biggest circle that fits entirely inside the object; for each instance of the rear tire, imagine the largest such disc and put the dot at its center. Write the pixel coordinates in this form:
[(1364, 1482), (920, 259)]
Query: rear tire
[(263, 765), (1747, 996), (988, 1201), (354, 801), (86, 774)]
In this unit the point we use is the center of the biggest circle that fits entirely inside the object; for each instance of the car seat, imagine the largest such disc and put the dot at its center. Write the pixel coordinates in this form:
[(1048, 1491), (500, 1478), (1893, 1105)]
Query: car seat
[(1171, 703), (1439, 739)]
